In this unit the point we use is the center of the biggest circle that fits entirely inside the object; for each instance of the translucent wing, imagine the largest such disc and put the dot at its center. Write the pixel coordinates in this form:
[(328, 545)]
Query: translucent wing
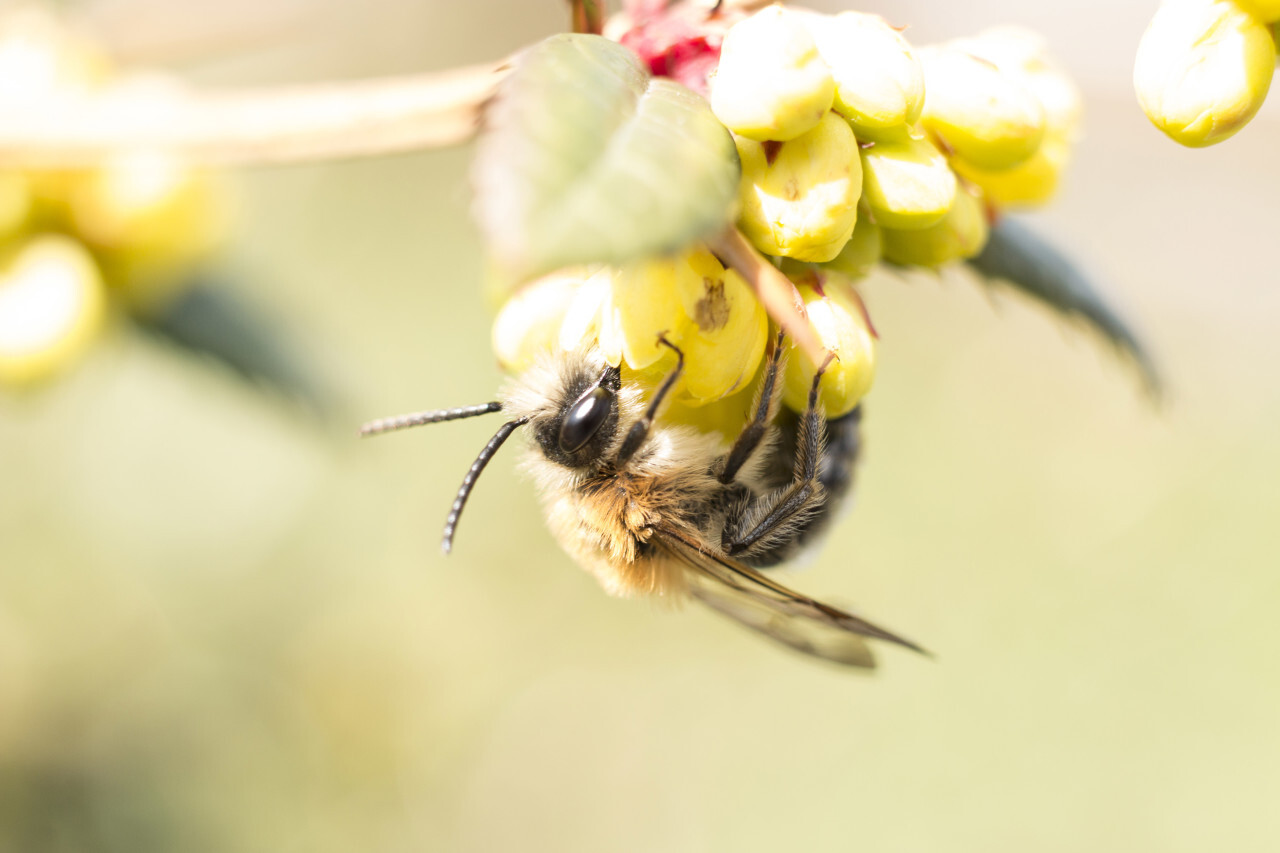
[(763, 605)]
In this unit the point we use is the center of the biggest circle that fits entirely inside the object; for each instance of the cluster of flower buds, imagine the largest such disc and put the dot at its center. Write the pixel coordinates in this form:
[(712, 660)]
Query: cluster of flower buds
[(709, 313), (844, 130), (856, 149), (1203, 67), (74, 241)]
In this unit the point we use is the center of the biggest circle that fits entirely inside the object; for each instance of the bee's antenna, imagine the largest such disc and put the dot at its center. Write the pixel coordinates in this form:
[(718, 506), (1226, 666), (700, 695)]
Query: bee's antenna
[(414, 419), (473, 473)]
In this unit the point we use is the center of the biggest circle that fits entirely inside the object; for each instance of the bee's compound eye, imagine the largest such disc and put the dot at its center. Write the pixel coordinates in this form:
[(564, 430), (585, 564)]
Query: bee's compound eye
[(584, 418)]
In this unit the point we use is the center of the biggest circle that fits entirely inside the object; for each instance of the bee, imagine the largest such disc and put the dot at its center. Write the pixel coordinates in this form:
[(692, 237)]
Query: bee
[(662, 510)]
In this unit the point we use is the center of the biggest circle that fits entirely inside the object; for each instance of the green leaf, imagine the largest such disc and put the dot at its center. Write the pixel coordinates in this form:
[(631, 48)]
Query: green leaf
[(585, 158), (1019, 257), (210, 320)]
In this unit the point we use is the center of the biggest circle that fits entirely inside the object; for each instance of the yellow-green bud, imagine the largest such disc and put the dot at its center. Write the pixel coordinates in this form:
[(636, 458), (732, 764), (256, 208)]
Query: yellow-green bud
[(151, 218), (15, 203), (839, 319), (582, 321), (861, 254), (41, 60), (724, 338), (698, 305), (726, 416), (977, 111), (879, 81), (907, 183), (800, 198), (51, 308), (529, 322), (643, 302), (1023, 54), (1025, 185), (960, 234), (1266, 11), (1203, 69), (771, 83)]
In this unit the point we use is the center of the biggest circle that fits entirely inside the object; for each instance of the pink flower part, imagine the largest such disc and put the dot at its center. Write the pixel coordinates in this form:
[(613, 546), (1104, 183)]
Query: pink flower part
[(681, 41)]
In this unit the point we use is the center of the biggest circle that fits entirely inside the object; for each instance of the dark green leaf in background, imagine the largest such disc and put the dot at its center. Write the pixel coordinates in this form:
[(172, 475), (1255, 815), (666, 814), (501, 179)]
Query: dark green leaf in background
[(586, 158), (1024, 260), (210, 320)]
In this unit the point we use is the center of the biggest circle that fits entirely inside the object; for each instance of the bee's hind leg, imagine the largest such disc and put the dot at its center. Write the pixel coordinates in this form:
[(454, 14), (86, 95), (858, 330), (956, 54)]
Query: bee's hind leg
[(640, 429), (768, 528), (766, 409)]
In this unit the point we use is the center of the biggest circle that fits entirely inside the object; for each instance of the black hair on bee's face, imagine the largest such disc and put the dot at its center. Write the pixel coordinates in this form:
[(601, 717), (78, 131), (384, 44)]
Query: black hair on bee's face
[(586, 422)]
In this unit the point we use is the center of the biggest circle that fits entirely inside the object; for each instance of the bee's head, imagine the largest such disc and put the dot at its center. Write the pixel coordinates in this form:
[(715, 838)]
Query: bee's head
[(582, 423), (571, 404)]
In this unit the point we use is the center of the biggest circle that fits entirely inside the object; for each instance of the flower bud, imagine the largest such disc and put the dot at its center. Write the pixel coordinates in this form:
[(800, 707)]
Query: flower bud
[(861, 254), (707, 311), (1266, 11), (642, 303), (1203, 69), (582, 319), (727, 327), (907, 183), (879, 81), (1026, 185), (960, 234), (770, 83), (840, 321), (51, 308), (726, 416), (799, 199), (529, 322), (151, 218), (15, 203), (1023, 55), (978, 112), (42, 61)]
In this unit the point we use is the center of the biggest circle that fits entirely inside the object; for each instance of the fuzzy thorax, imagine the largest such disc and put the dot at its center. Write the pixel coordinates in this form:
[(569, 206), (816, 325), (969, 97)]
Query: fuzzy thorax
[(604, 518)]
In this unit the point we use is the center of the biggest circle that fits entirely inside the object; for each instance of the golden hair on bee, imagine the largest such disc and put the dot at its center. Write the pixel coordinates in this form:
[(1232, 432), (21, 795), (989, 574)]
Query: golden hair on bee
[(670, 512)]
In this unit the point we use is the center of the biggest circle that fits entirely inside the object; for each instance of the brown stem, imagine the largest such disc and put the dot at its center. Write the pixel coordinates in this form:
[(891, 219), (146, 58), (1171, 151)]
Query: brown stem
[(774, 290), (747, 5), (359, 118), (588, 16)]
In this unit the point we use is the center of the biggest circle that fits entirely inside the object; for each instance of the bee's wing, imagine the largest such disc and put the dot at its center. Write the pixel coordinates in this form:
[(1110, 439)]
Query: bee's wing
[(764, 605)]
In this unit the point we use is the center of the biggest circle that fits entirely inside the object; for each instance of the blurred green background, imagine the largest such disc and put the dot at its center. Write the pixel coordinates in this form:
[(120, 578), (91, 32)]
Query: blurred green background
[(224, 627)]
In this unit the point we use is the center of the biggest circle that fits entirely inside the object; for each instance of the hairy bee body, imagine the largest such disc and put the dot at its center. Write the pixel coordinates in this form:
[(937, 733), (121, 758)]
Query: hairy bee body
[(606, 518), (671, 512)]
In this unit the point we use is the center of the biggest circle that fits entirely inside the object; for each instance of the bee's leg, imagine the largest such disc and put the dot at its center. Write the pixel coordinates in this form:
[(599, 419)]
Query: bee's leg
[(768, 527), (766, 408), (640, 429)]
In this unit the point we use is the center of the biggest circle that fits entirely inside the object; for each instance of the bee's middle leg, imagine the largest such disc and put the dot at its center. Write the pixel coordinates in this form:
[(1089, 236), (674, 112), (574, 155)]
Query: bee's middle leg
[(770, 524), (766, 409)]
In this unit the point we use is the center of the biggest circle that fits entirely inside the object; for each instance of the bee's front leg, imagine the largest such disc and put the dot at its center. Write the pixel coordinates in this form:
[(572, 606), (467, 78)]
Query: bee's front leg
[(640, 429), (769, 525)]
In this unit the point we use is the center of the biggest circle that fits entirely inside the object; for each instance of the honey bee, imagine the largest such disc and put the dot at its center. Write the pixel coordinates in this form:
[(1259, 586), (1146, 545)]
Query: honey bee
[(669, 511)]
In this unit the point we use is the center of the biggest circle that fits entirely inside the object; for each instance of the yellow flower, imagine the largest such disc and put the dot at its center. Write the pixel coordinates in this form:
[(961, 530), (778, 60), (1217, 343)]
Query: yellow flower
[(771, 83), (51, 308), (960, 234), (983, 115), (879, 81), (1203, 69), (907, 183), (839, 319), (799, 199)]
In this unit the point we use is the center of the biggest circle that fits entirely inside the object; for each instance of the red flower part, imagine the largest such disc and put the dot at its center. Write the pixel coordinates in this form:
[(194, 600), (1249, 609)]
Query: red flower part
[(680, 41)]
